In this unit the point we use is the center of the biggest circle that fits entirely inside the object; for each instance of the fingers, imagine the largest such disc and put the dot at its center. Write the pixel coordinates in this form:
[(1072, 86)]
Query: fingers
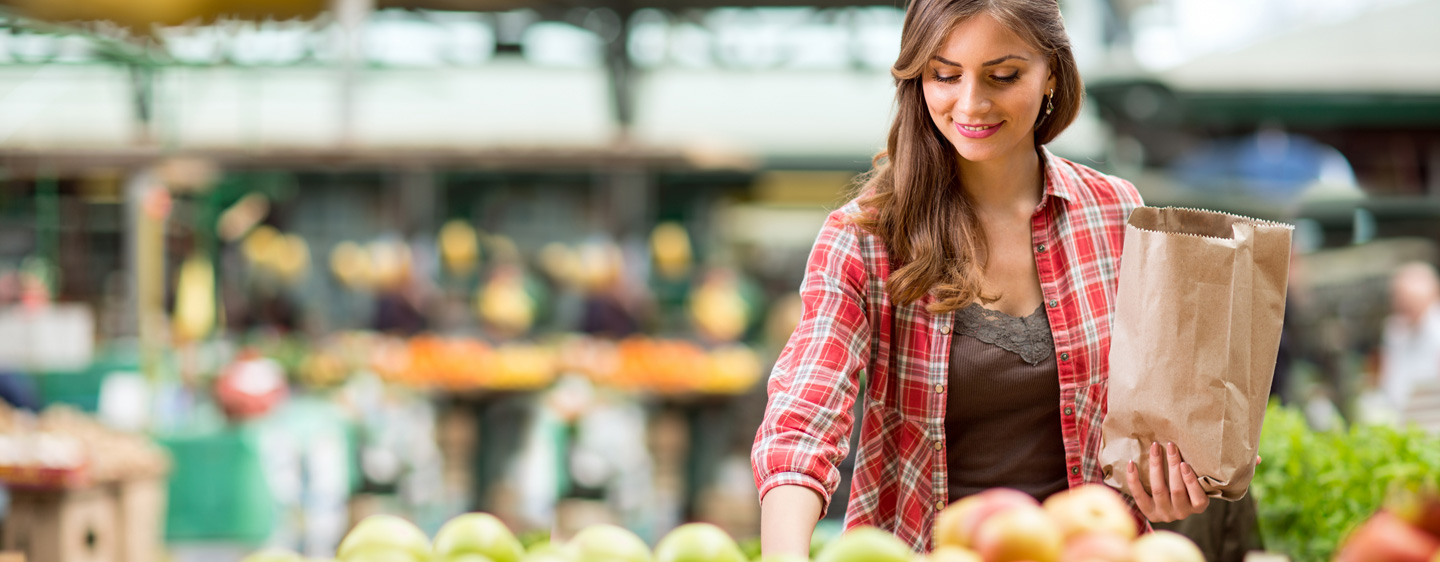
[(1192, 487), (1163, 505), (1179, 496), (1137, 492)]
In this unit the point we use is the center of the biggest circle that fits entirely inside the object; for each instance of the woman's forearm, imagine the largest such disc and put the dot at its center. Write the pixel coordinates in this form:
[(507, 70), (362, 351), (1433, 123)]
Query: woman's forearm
[(787, 519)]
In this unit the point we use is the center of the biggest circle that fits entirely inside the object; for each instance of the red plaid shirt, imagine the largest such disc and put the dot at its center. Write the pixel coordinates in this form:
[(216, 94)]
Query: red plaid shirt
[(850, 326)]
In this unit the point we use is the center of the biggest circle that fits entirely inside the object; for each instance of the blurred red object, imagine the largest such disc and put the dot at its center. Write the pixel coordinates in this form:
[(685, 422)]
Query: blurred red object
[(251, 387), (1388, 538)]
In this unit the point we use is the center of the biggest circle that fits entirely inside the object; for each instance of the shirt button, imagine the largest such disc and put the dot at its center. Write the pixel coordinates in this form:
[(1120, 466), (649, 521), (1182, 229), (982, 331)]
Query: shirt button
[(939, 389), (1064, 356), (939, 445), (944, 329), (1040, 248), (939, 505), (1054, 303), (1074, 470), (1069, 411)]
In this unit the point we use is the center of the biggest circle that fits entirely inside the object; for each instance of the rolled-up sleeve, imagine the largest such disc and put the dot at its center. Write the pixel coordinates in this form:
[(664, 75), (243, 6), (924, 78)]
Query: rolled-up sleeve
[(808, 418)]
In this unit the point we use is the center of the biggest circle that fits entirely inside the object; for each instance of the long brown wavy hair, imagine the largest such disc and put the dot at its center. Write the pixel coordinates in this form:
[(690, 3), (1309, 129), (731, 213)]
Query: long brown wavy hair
[(912, 198)]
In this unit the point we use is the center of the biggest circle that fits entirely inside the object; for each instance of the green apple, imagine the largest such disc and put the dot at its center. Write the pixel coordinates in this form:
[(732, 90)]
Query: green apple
[(273, 555), (609, 543), (478, 533), (378, 533), (381, 554), (698, 542), (462, 557), (547, 552), (865, 544), (784, 558)]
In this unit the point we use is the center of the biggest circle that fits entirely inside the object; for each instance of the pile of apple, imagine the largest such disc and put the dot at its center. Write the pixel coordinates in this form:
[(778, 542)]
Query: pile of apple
[(480, 537), (1090, 523), (1087, 524), (1407, 529)]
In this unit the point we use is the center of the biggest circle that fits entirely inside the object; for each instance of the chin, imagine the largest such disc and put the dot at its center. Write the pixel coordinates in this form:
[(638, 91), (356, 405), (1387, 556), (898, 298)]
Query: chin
[(976, 151)]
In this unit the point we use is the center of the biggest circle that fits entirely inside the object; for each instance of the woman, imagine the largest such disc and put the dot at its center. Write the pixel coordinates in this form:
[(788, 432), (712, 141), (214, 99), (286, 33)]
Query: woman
[(973, 261)]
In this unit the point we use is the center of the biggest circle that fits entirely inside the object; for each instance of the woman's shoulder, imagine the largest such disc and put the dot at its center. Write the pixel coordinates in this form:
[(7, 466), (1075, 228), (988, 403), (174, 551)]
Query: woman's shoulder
[(843, 232), (1091, 186)]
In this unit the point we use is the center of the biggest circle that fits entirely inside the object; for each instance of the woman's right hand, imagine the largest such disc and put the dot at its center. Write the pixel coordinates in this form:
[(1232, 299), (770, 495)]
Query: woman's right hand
[(787, 519)]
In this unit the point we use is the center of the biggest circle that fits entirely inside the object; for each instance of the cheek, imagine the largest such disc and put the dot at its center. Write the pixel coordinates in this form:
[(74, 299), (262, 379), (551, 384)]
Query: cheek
[(936, 99)]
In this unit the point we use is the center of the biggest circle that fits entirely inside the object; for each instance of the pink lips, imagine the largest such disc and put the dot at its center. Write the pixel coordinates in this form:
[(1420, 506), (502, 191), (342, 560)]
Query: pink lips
[(989, 129)]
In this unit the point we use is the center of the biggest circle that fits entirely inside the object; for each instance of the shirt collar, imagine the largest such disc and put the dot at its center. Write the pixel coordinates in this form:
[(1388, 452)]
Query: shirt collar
[(1055, 181)]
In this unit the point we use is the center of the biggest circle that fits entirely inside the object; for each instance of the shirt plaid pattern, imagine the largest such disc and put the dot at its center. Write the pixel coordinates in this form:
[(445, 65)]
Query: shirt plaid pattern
[(849, 326)]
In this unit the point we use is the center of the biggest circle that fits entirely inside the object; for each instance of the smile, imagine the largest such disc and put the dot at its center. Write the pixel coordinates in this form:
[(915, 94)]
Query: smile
[(978, 131)]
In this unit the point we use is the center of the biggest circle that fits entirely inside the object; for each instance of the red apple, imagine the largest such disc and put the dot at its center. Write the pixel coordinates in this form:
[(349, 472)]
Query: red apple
[(950, 553), (1165, 546), (957, 524), (1019, 533), (1097, 547), (1091, 508), (1421, 511), (1388, 538)]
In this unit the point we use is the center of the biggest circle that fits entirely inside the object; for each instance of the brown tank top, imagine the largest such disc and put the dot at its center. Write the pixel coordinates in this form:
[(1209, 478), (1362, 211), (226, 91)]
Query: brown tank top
[(1002, 416)]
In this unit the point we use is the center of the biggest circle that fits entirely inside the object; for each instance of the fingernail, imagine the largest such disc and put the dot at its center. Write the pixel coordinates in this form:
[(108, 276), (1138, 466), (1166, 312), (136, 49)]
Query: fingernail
[(1132, 466), (1172, 449), (1185, 468)]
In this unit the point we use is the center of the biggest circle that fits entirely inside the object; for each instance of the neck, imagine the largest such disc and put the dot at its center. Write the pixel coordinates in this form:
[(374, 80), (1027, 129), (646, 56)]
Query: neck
[(1003, 185)]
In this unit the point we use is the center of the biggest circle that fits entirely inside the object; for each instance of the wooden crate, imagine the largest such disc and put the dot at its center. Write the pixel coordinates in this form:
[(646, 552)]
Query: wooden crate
[(63, 526), (140, 513)]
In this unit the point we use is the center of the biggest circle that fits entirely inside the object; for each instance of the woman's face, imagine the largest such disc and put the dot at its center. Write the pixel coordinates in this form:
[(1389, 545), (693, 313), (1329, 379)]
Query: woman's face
[(984, 89)]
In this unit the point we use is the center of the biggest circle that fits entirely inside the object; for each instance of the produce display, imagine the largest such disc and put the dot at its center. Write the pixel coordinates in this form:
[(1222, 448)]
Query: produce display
[(1316, 487), (1087, 524), (1406, 530), (637, 364), (464, 364), (663, 366)]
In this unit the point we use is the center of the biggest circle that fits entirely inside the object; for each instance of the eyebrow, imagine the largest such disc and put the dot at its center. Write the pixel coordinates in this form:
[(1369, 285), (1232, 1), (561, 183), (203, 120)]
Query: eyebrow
[(987, 63)]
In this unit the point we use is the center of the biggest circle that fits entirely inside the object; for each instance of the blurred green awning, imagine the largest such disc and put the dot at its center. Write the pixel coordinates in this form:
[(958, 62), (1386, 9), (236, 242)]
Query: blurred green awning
[(1150, 101), (1380, 68)]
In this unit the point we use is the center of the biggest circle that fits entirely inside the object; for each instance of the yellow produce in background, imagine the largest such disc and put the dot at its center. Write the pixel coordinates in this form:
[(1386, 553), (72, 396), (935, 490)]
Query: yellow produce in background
[(291, 259), (351, 265), (670, 245), (504, 305), (194, 300), (719, 310), (459, 247)]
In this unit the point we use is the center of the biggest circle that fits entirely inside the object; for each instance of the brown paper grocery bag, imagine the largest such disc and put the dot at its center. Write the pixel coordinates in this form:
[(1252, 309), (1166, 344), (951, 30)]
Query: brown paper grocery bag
[(1197, 324)]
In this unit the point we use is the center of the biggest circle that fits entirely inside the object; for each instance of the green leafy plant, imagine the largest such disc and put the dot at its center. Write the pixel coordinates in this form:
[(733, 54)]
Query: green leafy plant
[(1313, 488)]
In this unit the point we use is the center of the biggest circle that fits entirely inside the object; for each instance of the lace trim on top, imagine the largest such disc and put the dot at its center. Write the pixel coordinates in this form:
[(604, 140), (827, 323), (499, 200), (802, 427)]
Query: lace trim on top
[(1028, 337)]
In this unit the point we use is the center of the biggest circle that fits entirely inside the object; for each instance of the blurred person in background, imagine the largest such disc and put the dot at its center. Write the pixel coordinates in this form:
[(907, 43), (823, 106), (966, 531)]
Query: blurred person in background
[(991, 237), (1410, 343)]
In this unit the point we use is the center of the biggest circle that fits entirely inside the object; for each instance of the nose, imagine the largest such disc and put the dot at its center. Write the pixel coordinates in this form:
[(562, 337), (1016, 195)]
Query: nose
[(973, 98)]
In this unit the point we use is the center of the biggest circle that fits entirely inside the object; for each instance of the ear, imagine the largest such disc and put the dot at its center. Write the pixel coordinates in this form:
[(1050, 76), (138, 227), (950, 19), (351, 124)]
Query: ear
[(1050, 83)]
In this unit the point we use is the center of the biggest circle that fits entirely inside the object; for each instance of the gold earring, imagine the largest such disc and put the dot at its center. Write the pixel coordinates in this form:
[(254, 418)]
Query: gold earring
[(1050, 102)]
